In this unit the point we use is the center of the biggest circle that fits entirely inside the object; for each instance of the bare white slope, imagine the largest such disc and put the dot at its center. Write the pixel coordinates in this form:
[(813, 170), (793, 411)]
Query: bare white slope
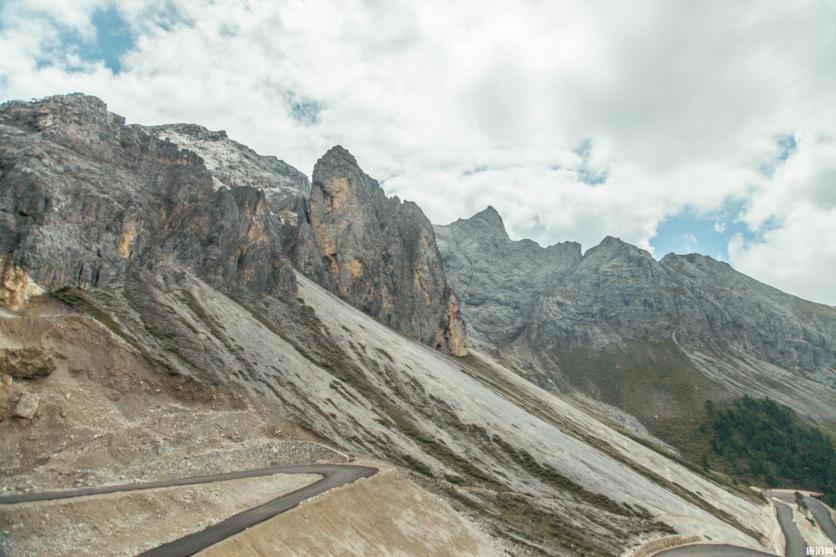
[(372, 390), (596, 471)]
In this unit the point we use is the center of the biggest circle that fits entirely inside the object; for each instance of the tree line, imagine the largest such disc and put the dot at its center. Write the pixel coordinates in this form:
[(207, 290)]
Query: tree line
[(764, 443)]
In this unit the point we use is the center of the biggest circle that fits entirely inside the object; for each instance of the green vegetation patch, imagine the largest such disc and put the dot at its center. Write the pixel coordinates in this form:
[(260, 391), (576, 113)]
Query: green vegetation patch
[(654, 381), (762, 442)]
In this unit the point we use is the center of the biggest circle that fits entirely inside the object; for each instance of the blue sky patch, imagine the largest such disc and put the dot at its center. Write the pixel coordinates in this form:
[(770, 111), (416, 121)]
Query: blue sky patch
[(305, 112), (587, 175), (113, 38), (709, 234), (786, 146)]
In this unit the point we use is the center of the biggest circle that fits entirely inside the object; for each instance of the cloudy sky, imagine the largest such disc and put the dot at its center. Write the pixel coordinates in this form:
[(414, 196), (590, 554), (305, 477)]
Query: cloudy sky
[(678, 126)]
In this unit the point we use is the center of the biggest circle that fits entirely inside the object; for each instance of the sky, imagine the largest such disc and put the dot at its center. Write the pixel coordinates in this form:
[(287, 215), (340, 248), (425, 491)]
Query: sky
[(678, 126)]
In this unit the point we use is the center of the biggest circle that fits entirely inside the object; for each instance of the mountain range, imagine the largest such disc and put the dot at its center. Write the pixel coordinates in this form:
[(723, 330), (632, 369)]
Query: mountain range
[(173, 296)]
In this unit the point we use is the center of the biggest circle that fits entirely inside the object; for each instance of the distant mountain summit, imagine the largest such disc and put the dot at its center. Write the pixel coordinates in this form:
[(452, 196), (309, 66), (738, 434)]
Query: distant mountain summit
[(605, 321)]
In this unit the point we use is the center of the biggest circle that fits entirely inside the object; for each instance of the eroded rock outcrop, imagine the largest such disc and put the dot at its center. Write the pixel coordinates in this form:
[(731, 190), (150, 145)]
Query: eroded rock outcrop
[(377, 253), (557, 299), (26, 363), (85, 196), (655, 338)]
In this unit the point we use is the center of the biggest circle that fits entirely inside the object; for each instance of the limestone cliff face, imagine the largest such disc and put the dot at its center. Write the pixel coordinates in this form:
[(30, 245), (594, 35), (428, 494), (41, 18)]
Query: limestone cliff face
[(499, 280), (556, 299), (377, 253), (233, 164), (653, 337), (83, 197)]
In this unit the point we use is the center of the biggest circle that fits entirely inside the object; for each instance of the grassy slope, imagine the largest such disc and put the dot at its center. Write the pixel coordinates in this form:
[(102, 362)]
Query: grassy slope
[(657, 383), (654, 381)]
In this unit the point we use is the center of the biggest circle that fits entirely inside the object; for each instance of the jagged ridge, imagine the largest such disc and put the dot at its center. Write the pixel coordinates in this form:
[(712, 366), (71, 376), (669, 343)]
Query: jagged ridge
[(577, 317), (85, 197)]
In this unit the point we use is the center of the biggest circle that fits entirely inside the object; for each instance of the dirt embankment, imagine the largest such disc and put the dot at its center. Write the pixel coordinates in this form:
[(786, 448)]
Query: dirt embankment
[(126, 524), (383, 515)]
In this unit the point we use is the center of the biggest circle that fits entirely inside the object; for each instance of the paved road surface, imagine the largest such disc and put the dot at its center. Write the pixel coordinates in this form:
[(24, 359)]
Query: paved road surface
[(706, 550), (823, 517), (333, 475), (796, 546)]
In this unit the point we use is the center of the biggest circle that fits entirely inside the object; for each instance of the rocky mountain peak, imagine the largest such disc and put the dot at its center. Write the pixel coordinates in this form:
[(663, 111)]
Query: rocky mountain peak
[(488, 215), (338, 153), (377, 253), (337, 179), (76, 121), (233, 164), (619, 260), (614, 246), (487, 221), (77, 104), (86, 198), (510, 276), (696, 261), (61, 112), (194, 131)]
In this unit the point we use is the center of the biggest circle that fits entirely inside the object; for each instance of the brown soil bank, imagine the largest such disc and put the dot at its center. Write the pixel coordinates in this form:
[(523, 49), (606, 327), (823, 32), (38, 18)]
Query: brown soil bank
[(386, 514)]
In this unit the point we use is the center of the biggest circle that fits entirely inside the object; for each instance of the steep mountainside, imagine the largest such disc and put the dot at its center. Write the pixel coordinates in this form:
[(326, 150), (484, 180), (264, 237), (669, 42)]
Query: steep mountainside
[(622, 326), (377, 253), (180, 337), (540, 474), (501, 280), (86, 197), (234, 164)]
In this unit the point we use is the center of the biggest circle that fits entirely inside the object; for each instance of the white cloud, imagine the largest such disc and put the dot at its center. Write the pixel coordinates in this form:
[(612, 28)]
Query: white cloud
[(797, 211), (457, 107)]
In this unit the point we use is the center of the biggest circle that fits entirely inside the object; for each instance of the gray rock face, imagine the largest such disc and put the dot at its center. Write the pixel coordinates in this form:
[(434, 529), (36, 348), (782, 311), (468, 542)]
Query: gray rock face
[(233, 164), (84, 197), (779, 328), (377, 253), (553, 299), (500, 281), (619, 292)]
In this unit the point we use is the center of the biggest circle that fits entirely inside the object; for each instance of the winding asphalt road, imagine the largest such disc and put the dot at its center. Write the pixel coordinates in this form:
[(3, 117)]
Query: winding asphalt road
[(333, 475), (718, 550), (796, 545), (823, 517), (820, 512)]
